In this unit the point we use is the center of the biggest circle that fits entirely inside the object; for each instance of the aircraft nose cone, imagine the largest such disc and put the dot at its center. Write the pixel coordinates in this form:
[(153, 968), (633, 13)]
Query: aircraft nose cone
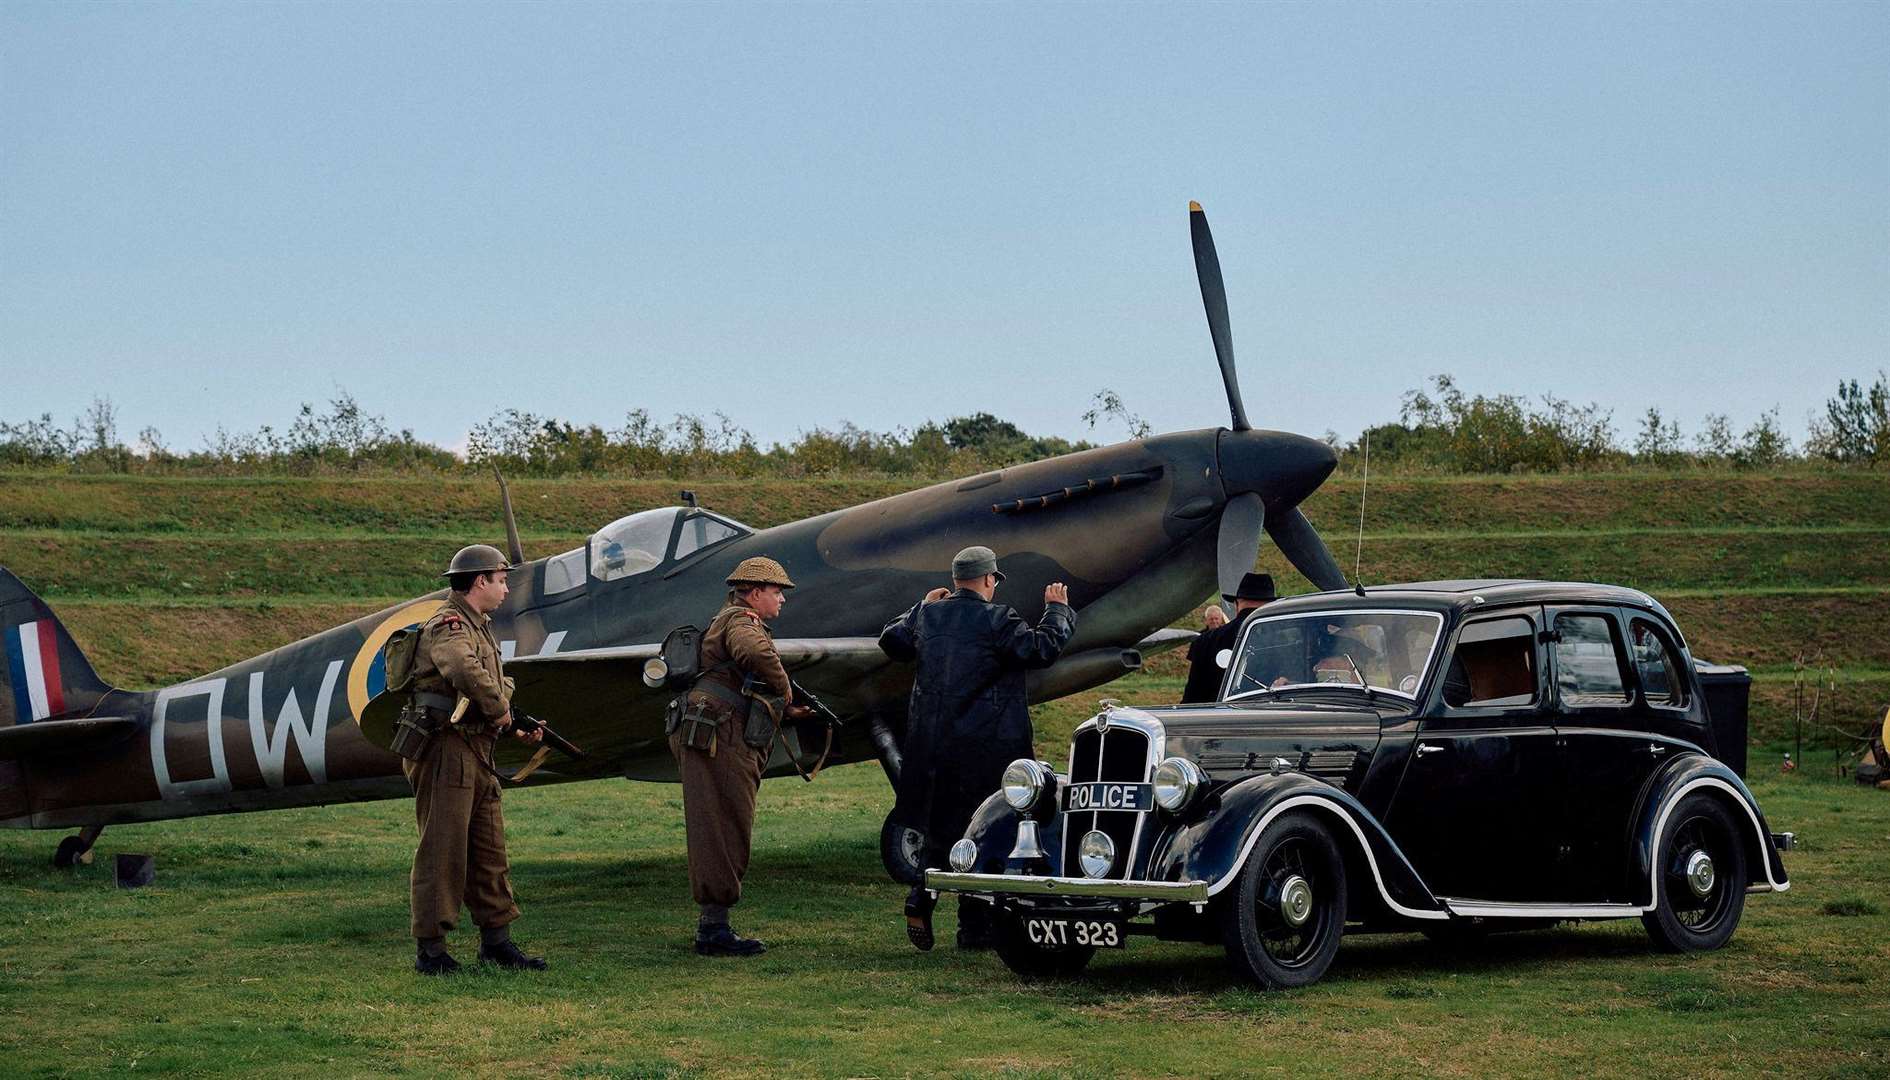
[(1280, 467)]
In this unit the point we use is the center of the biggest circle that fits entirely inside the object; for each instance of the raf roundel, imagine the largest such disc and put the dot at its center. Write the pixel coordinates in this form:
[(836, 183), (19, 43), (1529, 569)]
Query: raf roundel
[(367, 673)]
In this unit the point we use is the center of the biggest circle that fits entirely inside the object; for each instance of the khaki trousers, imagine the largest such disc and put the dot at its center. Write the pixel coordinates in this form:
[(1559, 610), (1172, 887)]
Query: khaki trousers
[(719, 812), (461, 856)]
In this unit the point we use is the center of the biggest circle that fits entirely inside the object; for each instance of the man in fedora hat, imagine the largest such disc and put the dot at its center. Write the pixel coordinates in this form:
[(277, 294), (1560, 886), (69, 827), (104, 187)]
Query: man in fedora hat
[(1204, 672), (968, 718)]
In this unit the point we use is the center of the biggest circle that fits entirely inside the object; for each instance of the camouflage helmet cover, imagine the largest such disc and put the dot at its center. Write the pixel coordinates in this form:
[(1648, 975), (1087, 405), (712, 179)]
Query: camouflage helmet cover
[(760, 570), (477, 559)]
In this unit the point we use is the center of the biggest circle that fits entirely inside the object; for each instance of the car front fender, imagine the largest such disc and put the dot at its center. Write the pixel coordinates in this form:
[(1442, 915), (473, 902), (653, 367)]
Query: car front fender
[(1214, 843), (1686, 775)]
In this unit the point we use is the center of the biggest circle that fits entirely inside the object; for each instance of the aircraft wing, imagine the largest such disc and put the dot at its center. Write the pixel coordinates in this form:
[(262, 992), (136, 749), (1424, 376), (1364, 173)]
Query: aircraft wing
[(1163, 640), (597, 699)]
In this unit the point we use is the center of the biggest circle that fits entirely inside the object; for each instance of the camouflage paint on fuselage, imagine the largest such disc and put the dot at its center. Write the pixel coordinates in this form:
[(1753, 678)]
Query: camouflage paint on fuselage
[(1130, 528)]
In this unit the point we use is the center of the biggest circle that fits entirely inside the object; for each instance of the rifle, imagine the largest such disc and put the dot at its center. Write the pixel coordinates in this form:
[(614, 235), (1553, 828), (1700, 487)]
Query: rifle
[(821, 709), (528, 723)]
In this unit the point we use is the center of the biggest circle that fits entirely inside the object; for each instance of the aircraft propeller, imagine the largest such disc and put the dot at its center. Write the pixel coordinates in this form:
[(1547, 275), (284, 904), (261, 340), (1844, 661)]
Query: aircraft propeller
[(1245, 514)]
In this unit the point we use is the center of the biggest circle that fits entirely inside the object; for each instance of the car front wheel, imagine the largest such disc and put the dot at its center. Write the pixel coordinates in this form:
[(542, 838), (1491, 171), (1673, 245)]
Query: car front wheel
[(1286, 912), (1700, 880)]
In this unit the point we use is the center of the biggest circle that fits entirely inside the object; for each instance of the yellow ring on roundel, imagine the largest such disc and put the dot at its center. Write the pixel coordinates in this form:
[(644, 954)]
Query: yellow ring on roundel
[(418, 612)]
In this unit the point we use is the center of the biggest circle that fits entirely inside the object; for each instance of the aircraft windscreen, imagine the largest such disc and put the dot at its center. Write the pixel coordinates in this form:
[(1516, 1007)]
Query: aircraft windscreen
[(1383, 650), (632, 545)]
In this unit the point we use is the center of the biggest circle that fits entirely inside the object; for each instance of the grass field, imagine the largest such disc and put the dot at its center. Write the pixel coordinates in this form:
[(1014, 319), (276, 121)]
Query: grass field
[(275, 943)]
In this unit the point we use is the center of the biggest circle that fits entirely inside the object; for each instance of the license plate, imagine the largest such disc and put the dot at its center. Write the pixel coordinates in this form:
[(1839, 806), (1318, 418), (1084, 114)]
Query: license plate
[(1109, 797), (1071, 931)]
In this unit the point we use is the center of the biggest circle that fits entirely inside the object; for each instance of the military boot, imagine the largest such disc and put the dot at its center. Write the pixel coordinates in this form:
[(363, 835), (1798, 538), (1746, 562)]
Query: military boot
[(434, 962), (724, 941), (496, 947)]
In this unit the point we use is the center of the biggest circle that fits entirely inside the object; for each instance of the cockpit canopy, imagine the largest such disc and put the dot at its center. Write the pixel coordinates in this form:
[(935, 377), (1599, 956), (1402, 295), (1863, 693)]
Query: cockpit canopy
[(638, 544)]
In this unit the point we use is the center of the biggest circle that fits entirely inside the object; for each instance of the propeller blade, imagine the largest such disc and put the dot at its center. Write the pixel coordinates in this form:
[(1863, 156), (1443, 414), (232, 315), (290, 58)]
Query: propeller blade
[(1301, 545), (1239, 541), (1207, 267)]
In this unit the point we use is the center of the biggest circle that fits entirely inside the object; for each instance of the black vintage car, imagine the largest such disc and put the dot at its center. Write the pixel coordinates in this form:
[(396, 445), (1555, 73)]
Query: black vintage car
[(1454, 757)]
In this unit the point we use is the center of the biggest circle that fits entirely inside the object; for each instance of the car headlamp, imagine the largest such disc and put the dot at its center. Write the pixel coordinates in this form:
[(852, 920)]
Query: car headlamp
[(1024, 783), (1097, 853), (964, 855), (1177, 781)]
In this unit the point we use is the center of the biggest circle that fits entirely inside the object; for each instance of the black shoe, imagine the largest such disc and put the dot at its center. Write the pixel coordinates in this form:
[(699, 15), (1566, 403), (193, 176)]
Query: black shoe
[(919, 924), (507, 955), (438, 964), (724, 941)]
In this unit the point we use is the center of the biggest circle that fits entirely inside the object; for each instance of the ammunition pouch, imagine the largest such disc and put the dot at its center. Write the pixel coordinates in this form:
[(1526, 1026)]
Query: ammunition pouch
[(763, 716), (699, 713), (414, 731)]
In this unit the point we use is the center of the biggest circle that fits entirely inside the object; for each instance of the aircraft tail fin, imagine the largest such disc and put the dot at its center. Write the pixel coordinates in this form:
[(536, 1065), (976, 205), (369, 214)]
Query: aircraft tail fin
[(46, 677)]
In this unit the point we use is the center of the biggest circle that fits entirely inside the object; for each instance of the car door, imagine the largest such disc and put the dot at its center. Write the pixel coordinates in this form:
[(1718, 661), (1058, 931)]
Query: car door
[(1608, 754), (1477, 811)]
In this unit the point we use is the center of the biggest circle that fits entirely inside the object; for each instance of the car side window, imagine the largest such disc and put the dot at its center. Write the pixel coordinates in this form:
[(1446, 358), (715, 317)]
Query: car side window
[(1494, 665), (1587, 668), (1659, 667)]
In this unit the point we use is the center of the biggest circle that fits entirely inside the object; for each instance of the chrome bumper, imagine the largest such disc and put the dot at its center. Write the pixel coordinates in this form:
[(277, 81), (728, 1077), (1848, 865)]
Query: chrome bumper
[(1784, 841), (1195, 892)]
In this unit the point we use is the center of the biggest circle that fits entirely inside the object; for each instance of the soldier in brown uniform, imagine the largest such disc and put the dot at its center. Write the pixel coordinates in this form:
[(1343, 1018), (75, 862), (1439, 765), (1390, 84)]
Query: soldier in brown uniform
[(721, 771), (455, 788)]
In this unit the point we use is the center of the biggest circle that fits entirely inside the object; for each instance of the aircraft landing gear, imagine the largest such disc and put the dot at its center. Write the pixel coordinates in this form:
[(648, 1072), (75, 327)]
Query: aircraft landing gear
[(74, 850)]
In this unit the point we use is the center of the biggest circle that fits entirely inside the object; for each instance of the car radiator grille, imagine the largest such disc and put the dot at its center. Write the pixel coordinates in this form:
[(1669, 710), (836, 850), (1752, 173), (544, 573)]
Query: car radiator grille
[(1119, 754)]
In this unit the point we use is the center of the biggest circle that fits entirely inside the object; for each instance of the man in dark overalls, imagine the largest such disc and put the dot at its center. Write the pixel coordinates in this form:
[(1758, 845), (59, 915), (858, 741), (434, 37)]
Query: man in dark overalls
[(968, 717)]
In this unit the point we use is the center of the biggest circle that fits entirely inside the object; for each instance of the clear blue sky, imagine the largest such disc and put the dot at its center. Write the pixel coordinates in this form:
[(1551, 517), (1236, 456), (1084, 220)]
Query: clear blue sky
[(807, 214)]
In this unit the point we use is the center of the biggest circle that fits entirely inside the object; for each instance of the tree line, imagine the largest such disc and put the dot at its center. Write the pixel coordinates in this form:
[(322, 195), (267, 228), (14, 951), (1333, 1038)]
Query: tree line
[(1440, 429)]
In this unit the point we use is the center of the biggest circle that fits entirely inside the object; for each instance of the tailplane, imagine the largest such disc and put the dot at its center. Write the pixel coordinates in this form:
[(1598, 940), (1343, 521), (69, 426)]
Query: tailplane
[(46, 676)]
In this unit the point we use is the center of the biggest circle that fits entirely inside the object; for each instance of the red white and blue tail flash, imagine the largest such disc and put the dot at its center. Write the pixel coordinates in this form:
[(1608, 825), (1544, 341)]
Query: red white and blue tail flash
[(33, 665)]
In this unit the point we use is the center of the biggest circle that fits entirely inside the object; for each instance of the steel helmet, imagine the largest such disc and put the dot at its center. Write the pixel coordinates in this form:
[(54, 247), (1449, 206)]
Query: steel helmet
[(477, 559), (760, 570)]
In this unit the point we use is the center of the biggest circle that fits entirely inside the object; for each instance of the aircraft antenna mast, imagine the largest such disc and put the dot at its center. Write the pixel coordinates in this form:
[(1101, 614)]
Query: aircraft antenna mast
[(516, 550), (1358, 559)]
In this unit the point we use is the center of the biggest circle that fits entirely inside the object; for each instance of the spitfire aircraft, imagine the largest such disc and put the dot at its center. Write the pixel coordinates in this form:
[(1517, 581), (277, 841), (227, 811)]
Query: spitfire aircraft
[(1140, 531)]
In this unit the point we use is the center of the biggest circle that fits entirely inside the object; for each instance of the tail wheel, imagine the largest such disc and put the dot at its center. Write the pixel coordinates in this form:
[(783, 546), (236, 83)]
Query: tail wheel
[(1033, 961), (1700, 880), (1287, 909), (71, 852)]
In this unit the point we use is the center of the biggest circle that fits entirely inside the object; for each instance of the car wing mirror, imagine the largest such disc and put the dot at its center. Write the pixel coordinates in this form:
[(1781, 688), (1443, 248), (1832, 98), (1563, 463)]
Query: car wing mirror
[(1223, 658)]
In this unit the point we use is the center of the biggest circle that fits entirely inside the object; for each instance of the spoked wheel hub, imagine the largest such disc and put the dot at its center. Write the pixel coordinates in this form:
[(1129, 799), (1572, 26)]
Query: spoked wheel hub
[(1700, 875), (1296, 901), (1699, 892), (1288, 915)]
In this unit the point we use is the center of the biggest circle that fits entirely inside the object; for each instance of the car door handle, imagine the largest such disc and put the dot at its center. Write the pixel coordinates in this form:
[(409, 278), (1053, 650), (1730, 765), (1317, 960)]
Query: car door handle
[(1427, 748), (1655, 749)]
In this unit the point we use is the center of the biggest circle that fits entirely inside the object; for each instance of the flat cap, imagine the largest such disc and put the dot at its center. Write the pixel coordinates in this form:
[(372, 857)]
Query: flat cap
[(975, 562)]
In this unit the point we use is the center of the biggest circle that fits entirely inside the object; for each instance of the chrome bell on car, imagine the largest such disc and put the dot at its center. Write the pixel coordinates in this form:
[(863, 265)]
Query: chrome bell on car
[(1027, 845)]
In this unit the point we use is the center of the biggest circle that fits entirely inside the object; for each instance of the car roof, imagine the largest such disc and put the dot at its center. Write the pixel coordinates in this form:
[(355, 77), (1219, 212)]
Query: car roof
[(1463, 594)]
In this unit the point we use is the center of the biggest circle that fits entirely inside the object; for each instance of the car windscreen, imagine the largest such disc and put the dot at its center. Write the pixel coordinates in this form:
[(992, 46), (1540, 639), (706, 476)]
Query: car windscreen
[(1382, 650)]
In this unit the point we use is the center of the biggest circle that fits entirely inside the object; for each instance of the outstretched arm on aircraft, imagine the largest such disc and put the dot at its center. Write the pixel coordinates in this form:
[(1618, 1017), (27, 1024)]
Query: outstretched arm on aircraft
[(1039, 646)]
